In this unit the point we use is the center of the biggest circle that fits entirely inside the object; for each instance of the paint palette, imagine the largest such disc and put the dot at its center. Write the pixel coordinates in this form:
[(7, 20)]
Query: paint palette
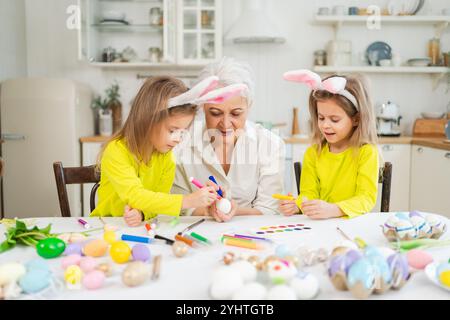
[(281, 229)]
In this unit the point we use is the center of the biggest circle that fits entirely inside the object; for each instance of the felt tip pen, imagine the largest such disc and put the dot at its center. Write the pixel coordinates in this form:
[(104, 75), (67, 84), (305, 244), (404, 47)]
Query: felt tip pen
[(84, 223), (219, 192), (167, 240), (196, 183), (199, 237), (241, 243), (282, 197), (179, 237), (242, 236), (129, 237)]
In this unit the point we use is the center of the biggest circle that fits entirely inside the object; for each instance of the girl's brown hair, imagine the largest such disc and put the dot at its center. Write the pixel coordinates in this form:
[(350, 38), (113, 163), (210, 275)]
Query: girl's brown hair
[(365, 132), (148, 111)]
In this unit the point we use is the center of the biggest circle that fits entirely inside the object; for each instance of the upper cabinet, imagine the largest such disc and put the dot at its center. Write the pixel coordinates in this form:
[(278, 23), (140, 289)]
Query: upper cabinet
[(150, 33)]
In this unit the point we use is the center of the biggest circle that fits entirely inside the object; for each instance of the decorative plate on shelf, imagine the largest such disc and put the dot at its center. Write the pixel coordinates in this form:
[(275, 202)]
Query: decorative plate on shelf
[(419, 62), (378, 51)]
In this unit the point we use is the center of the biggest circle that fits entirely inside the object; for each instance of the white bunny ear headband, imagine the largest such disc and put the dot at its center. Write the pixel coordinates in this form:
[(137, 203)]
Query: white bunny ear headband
[(204, 92), (335, 85)]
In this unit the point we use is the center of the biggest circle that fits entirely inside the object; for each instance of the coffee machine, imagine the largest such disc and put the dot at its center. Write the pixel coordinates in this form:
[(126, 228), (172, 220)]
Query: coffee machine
[(388, 120)]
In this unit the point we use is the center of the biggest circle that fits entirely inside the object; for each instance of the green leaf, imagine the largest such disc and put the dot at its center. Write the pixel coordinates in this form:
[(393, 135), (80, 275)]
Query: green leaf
[(4, 246), (46, 230), (20, 225)]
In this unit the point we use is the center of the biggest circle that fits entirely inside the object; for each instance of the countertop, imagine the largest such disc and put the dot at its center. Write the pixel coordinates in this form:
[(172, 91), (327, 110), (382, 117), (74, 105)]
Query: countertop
[(189, 277), (437, 143)]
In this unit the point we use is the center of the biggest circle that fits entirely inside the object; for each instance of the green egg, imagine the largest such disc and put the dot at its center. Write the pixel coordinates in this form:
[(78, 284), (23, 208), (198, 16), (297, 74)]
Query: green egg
[(50, 248)]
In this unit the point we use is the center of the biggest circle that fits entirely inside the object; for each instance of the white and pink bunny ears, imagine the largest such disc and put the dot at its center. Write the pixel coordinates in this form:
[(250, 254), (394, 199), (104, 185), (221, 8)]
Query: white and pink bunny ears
[(204, 92), (335, 85)]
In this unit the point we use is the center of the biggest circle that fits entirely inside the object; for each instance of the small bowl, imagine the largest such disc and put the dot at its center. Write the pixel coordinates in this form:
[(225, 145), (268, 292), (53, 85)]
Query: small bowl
[(385, 62), (433, 115), (113, 15)]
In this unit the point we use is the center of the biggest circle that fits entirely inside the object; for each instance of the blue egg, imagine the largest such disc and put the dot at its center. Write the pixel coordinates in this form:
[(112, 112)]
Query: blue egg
[(361, 271), (282, 251), (37, 264), (371, 251), (35, 280), (381, 267), (402, 215)]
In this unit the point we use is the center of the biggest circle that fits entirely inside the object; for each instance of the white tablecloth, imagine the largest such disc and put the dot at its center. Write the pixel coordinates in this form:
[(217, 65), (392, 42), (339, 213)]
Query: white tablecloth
[(189, 277)]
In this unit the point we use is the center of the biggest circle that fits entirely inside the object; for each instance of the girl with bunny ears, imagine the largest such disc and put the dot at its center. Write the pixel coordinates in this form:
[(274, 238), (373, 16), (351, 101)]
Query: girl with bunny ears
[(340, 170), (137, 165)]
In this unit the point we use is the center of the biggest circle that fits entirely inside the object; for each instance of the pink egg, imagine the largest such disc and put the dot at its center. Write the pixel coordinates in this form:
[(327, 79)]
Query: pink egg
[(94, 280), (418, 259), (87, 264), (73, 259)]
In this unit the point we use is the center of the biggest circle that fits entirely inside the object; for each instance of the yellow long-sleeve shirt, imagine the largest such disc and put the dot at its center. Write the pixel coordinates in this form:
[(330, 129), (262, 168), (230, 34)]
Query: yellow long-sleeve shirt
[(347, 179), (143, 187)]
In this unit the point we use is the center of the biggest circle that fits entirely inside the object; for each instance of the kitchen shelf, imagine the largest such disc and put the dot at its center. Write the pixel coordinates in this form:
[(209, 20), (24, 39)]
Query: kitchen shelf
[(128, 28), (388, 19), (126, 65), (369, 69)]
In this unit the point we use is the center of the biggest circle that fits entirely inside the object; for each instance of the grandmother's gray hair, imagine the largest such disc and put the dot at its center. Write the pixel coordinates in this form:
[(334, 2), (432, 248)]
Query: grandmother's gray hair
[(231, 71)]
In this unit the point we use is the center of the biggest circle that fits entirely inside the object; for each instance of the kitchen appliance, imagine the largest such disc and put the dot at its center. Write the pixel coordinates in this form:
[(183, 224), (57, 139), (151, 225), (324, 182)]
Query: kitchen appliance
[(42, 120), (388, 120)]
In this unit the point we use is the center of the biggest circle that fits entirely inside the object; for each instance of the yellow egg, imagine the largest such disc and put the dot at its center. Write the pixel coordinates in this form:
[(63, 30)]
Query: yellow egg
[(444, 278), (95, 248), (73, 275), (120, 252), (109, 236)]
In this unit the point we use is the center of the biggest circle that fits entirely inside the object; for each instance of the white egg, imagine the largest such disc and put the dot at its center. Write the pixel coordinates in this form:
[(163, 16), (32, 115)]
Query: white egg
[(250, 291), (224, 205), (224, 272), (222, 289), (305, 286), (11, 272), (247, 271), (281, 292), (405, 228)]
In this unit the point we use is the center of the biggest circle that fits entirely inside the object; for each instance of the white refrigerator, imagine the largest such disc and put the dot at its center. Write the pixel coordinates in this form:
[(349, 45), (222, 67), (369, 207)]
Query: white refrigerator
[(42, 120)]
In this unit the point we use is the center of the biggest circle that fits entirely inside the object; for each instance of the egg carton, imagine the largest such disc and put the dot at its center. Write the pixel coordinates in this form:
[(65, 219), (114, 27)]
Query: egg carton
[(403, 226), (369, 271)]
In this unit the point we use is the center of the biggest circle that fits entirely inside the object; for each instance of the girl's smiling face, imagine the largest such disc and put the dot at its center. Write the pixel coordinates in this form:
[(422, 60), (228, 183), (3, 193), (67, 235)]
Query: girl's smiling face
[(334, 123)]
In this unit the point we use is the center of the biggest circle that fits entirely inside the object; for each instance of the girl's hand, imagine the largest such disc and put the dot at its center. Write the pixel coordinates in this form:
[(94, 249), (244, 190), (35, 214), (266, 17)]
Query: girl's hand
[(319, 209), (203, 197), (132, 217), (288, 207), (218, 215)]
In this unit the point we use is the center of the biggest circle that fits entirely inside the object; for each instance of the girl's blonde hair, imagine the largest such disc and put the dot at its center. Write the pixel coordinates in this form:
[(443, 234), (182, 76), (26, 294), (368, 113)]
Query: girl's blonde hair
[(365, 132), (148, 111)]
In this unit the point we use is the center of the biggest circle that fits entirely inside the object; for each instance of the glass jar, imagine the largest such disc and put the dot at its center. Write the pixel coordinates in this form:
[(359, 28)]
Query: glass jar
[(434, 51), (320, 58), (155, 54), (155, 16)]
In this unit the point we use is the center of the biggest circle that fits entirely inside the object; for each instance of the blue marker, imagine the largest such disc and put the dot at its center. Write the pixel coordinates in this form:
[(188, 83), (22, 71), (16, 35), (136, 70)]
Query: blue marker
[(214, 180), (128, 237)]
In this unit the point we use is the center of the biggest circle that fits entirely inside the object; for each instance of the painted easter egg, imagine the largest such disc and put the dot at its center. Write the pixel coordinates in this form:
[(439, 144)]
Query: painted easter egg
[(281, 271), (179, 249), (74, 248), (50, 247), (421, 225), (109, 237), (361, 271), (281, 292), (418, 259), (305, 286), (228, 257), (383, 273), (94, 280), (11, 272), (398, 263), (140, 252), (35, 280), (250, 291), (282, 251), (95, 248), (88, 264), (73, 259), (120, 252), (246, 270), (444, 278), (405, 229), (442, 268), (73, 276), (136, 273), (224, 205)]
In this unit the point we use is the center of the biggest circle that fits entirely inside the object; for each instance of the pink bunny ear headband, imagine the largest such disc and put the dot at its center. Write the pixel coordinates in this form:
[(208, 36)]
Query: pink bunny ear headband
[(335, 85), (204, 92)]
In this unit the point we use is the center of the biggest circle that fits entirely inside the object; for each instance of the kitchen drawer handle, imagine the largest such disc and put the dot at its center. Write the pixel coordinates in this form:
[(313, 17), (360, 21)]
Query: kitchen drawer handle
[(419, 150), (388, 147), (447, 155)]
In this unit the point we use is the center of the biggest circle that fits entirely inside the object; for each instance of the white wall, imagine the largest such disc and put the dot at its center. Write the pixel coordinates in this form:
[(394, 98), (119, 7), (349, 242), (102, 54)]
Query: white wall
[(12, 39), (52, 51)]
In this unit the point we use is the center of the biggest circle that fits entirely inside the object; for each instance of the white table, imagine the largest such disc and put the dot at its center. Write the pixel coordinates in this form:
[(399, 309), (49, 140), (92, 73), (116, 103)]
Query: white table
[(189, 277)]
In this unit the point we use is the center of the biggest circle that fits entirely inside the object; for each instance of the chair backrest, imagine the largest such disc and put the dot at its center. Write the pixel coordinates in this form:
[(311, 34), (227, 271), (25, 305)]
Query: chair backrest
[(74, 175), (384, 177)]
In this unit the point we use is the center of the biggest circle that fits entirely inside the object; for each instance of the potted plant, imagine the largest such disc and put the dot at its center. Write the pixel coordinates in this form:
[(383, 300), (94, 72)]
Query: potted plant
[(113, 103), (102, 116)]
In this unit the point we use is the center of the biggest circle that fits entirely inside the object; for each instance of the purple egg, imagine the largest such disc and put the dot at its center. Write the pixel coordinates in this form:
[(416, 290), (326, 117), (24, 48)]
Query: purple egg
[(399, 262), (415, 213), (140, 252), (336, 265), (74, 248), (343, 262), (351, 257)]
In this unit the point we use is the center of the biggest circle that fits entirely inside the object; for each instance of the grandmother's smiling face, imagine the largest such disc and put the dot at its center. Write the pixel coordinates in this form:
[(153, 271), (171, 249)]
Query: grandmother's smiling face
[(228, 117)]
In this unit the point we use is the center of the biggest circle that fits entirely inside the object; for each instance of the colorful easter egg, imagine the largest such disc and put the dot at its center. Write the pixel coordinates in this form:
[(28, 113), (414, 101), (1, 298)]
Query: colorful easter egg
[(140, 252), (73, 259), (74, 248), (405, 229), (73, 276), (35, 280), (398, 263), (444, 278), (179, 249), (418, 259), (87, 264), (136, 273), (94, 280), (281, 271), (361, 271), (421, 225), (50, 247), (95, 248), (282, 251), (120, 252), (109, 237)]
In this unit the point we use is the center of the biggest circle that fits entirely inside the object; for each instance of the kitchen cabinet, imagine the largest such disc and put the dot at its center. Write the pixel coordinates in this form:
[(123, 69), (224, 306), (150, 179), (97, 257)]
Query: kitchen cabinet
[(89, 154), (189, 33), (430, 180), (400, 157)]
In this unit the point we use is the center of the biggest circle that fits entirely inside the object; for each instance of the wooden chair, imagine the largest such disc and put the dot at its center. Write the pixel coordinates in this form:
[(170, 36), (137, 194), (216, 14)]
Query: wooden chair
[(74, 175), (384, 177)]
